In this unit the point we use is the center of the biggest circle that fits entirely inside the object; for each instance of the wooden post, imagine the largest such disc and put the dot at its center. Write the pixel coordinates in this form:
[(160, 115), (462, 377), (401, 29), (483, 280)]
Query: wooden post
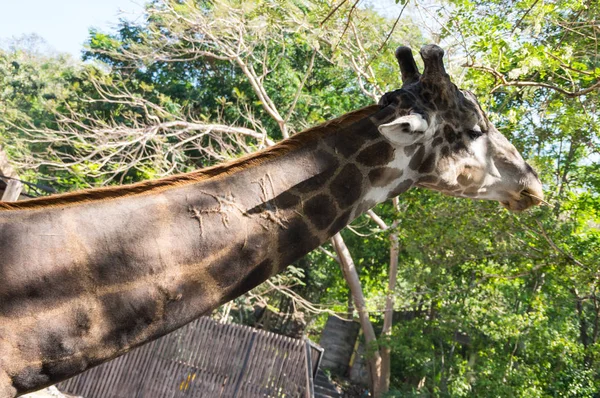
[(13, 187)]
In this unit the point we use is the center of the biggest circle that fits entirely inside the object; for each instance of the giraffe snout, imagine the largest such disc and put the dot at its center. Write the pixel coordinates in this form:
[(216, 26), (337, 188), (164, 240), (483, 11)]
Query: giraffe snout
[(531, 195), (533, 189)]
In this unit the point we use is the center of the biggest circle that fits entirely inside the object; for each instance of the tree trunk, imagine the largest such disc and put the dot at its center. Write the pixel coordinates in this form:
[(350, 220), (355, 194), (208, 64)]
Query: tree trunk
[(388, 316), (386, 333), (351, 276)]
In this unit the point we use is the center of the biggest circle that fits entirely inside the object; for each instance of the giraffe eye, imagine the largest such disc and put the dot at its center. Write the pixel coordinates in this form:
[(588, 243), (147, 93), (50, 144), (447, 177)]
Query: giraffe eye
[(474, 133)]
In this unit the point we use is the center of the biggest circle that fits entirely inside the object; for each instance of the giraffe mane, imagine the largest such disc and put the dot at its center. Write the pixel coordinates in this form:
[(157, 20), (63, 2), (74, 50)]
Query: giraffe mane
[(217, 171)]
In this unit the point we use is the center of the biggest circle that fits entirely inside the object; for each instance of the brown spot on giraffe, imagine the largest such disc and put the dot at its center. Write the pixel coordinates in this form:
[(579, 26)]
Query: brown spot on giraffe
[(428, 164), (410, 149), (16, 297), (445, 151), (239, 260), (377, 154), (316, 182), (287, 200), (257, 275), (320, 210), (382, 176), (340, 222), (429, 179), (346, 188), (188, 296), (450, 135), (417, 159), (348, 142), (295, 241), (29, 378), (437, 141), (402, 187)]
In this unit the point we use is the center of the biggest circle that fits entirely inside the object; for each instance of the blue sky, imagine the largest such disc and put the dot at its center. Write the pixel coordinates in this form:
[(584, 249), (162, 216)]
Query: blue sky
[(63, 23)]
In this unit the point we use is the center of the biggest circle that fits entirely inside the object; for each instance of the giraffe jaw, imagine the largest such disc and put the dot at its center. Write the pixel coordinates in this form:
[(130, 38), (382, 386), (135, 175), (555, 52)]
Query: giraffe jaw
[(528, 197)]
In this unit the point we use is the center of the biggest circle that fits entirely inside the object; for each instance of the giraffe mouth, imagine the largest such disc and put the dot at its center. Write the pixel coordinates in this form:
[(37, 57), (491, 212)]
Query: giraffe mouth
[(525, 201)]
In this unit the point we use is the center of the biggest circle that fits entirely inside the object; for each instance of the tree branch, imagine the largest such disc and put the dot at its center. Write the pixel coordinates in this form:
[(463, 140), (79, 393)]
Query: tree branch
[(371, 214), (301, 86), (505, 83)]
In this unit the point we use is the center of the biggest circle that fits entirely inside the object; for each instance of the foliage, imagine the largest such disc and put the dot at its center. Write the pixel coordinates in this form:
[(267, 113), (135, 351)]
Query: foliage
[(488, 303), (507, 304), (34, 84)]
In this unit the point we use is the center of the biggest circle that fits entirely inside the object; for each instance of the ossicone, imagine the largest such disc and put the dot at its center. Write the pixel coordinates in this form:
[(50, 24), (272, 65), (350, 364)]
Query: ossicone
[(433, 60), (408, 67)]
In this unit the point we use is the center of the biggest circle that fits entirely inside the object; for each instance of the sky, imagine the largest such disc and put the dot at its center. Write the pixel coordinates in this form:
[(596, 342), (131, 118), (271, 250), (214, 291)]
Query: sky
[(64, 24)]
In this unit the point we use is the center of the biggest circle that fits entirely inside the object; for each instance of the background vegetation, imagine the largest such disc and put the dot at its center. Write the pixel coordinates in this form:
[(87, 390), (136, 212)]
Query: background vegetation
[(487, 303)]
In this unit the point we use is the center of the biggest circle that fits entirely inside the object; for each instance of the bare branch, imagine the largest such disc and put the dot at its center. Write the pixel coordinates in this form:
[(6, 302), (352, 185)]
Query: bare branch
[(504, 83), (154, 137), (301, 86), (387, 38), (556, 248), (301, 301), (333, 12), (330, 254), (371, 214)]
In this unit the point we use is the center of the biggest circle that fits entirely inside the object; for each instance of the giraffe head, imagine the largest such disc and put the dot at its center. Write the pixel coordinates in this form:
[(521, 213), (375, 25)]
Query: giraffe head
[(453, 147)]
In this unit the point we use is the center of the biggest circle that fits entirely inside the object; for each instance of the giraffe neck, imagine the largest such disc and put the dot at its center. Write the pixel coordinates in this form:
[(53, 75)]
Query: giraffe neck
[(86, 282)]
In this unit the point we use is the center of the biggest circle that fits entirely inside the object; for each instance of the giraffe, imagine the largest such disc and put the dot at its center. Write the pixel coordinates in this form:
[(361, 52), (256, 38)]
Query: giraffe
[(89, 275)]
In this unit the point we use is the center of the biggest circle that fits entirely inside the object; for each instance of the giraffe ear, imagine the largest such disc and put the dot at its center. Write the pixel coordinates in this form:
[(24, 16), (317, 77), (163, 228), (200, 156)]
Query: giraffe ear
[(405, 130)]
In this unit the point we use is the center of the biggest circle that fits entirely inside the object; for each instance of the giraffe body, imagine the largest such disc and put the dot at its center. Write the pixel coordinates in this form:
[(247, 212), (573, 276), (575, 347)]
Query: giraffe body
[(88, 276)]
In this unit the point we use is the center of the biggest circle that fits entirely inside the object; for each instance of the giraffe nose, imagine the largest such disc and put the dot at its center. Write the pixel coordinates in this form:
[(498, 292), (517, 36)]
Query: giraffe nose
[(532, 195), (536, 198), (534, 189)]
